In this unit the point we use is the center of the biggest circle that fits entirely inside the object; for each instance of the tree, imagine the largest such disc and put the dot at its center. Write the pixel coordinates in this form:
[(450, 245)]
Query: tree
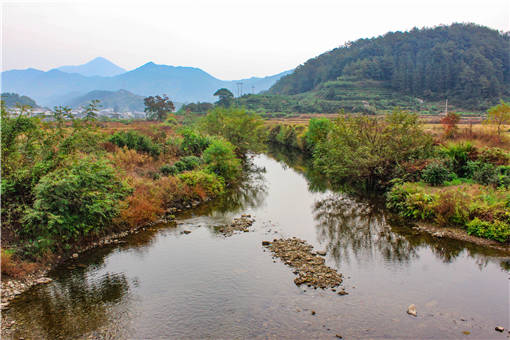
[(499, 115), (239, 127), (226, 97), (157, 108), (450, 122)]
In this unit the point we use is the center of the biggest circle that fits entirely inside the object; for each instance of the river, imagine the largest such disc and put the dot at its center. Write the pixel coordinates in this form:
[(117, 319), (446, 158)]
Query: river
[(164, 284)]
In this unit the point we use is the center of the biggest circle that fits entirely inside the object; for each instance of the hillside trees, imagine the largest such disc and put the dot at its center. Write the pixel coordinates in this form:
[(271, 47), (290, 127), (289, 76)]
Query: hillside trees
[(226, 98)]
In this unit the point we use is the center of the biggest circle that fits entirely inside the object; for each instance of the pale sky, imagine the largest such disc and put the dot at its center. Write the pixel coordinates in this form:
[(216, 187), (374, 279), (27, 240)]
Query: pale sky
[(228, 39)]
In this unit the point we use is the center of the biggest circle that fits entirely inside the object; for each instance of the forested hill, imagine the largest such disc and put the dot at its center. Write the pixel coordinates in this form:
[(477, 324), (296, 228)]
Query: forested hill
[(465, 63)]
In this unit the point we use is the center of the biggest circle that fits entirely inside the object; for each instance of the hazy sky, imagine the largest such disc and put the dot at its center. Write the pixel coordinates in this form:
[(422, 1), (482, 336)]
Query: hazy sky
[(228, 39)]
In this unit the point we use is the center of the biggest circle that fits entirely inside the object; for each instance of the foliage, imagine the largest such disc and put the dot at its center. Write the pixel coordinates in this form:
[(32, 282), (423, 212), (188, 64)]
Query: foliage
[(499, 115), (158, 107), (197, 107), (481, 209), (459, 154), (496, 230), (241, 128), (465, 63), (368, 149), (193, 142), (318, 129), (226, 98), (136, 141), (187, 163), (436, 173), (208, 182), (494, 156), (221, 159), (483, 173), (450, 122), (75, 200), (168, 170)]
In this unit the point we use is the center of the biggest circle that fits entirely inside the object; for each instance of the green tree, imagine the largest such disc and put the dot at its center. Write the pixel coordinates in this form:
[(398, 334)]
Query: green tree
[(499, 115), (221, 159), (158, 107), (369, 149), (226, 98), (241, 128), (75, 200)]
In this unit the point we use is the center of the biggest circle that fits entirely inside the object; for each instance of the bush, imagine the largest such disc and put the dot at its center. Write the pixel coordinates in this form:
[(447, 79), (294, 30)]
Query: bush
[(75, 200), (193, 143), (495, 156), (191, 162), (203, 183), (168, 170), (318, 129), (435, 174), (410, 200), (496, 230), (483, 173), (459, 154), (136, 141), (221, 160)]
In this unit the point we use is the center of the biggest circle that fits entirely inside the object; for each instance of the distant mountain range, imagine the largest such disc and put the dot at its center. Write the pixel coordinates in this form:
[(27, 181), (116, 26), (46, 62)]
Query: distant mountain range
[(96, 67), (67, 83)]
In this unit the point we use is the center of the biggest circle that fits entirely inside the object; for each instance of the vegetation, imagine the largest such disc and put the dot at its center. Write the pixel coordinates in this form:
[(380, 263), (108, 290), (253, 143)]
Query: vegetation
[(241, 128), (68, 181), (499, 115), (14, 99), (226, 98), (466, 63), (158, 107)]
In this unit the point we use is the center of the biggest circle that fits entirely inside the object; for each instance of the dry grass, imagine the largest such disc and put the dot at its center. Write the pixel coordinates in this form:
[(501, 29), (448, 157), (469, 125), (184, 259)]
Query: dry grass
[(14, 268)]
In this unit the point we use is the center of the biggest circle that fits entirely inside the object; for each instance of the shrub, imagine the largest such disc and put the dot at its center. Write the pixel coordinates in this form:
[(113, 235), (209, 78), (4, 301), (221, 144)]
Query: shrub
[(318, 129), (136, 141), (495, 156), (410, 200), (144, 205), (496, 230), (241, 128), (168, 170), (459, 154), (193, 143), (191, 162), (221, 160), (75, 200), (483, 173), (503, 175), (435, 174), (201, 181)]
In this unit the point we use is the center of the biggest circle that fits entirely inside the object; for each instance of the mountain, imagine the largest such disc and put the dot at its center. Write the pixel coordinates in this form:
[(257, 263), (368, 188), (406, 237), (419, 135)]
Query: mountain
[(12, 99), (466, 63), (181, 84), (119, 101), (96, 67)]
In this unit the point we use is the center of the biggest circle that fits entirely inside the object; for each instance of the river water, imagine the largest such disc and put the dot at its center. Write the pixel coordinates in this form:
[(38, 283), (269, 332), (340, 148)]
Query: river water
[(163, 284)]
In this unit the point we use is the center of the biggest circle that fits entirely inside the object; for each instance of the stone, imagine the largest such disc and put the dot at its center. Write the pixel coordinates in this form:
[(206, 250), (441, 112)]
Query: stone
[(411, 310), (75, 255), (339, 336), (43, 280), (186, 232), (343, 292), (321, 252), (313, 312), (266, 243), (499, 329)]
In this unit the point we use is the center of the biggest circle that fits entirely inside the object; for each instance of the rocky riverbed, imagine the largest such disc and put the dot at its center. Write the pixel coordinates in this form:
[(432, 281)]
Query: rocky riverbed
[(309, 265), (240, 224)]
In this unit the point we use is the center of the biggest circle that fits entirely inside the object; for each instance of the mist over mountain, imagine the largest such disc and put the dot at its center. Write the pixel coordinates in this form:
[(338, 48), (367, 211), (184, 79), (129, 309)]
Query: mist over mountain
[(119, 101), (97, 67), (181, 84)]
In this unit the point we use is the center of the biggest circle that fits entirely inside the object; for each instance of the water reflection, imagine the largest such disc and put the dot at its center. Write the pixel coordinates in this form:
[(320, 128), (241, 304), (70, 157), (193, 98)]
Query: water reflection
[(70, 306), (353, 227)]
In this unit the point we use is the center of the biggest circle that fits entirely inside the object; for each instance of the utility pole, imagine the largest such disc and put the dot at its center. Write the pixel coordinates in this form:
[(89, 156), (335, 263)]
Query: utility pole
[(446, 108), (252, 89)]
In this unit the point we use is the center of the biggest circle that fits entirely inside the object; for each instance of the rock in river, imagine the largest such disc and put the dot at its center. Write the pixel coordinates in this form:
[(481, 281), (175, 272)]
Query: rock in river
[(411, 310)]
